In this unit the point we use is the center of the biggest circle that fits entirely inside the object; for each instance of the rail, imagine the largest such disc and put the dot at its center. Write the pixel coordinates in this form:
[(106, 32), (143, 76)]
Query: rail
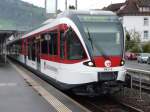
[(105, 104)]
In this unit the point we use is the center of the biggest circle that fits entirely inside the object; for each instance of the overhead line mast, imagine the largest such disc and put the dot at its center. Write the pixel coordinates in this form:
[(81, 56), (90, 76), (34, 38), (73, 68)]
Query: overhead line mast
[(76, 4), (45, 7), (66, 4)]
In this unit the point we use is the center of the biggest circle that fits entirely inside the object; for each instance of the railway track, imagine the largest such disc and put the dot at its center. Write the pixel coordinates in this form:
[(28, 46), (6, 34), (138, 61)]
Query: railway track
[(104, 104)]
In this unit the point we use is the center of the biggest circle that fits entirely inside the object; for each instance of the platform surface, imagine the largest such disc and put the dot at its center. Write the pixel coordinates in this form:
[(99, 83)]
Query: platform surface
[(18, 96)]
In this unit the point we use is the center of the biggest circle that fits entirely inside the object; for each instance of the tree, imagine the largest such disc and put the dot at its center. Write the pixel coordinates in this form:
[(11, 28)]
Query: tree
[(133, 42), (146, 47), (128, 38)]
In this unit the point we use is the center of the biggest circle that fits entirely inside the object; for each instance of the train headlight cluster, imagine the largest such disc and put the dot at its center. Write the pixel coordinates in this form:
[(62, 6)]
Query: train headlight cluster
[(89, 63), (122, 62)]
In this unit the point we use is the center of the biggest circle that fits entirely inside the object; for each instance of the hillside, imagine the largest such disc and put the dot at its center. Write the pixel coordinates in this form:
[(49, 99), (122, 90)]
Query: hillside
[(16, 14)]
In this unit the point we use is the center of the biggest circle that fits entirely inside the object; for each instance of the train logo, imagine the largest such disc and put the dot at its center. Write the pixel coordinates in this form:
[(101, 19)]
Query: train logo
[(107, 63)]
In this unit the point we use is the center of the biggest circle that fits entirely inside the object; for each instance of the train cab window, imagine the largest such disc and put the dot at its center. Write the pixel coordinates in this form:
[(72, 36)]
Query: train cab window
[(75, 50), (53, 46), (44, 44)]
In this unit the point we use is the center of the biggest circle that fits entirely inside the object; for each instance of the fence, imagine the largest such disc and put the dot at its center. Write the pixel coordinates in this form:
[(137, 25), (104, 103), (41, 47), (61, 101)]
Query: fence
[(141, 76)]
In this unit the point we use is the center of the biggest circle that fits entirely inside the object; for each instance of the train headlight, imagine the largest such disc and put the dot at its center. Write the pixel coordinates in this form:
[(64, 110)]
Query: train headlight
[(89, 63), (122, 62)]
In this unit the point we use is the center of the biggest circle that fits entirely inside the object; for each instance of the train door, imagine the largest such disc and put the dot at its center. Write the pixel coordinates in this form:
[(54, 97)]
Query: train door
[(38, 52), (53, 49), (49, 53)]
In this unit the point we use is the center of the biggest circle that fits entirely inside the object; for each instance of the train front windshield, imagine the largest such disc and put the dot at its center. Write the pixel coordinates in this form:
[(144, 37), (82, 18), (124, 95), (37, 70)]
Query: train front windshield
[(105, 34)]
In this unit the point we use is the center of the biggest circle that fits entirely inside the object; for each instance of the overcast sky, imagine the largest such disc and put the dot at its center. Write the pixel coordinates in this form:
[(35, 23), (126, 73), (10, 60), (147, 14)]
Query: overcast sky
[(82, 4)]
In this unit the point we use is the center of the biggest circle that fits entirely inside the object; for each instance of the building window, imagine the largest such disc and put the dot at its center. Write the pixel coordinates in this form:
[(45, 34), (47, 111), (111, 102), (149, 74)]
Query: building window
[(146, 21), (146, 34)]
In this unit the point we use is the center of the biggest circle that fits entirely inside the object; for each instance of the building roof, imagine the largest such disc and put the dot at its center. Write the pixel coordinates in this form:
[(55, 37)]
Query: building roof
[(114, 7), (130, 7)]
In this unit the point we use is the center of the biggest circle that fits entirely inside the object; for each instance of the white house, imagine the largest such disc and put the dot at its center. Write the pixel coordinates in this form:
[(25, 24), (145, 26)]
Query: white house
[(135, 16)]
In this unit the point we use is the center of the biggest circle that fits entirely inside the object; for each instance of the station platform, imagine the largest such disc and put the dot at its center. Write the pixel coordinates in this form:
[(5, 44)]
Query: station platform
[(23, 91)]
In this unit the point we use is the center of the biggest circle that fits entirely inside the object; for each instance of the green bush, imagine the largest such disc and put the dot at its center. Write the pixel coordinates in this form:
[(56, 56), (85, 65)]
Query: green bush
[(136, 49), (146, 47)]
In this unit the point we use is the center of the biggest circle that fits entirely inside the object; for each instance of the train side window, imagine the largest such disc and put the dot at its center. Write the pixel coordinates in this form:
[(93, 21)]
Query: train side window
[(62, 45), (33, 50), (29, 49), (75, 50), (44, 44), (53, 46)]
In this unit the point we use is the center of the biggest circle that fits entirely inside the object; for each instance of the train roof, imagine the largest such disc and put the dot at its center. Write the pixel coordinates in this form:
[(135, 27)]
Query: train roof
[(75, 12), (90, 12), (69, 14)]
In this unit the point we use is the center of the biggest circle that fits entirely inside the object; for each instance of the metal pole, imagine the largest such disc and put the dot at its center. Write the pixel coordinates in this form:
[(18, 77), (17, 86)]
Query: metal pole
[(131, 85), (76, 4), (140, 87), (66, 4), (56, 6), (45, 7)]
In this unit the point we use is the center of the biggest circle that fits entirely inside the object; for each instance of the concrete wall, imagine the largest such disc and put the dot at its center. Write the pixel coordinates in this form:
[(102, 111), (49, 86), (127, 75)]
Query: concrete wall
[(137, 23)]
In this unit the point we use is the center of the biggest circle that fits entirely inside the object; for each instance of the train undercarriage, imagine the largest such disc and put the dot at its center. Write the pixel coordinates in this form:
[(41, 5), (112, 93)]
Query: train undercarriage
[(99, 88)]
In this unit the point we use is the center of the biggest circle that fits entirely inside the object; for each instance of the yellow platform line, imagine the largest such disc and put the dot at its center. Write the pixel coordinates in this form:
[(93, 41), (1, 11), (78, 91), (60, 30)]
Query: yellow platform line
[(52, 100)]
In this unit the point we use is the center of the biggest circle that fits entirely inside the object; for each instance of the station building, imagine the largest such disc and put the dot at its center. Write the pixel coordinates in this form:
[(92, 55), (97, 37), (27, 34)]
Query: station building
[(135, 16)]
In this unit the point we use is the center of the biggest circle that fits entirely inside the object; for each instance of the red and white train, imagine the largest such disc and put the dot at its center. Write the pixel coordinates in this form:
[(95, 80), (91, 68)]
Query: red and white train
[(82, 51)]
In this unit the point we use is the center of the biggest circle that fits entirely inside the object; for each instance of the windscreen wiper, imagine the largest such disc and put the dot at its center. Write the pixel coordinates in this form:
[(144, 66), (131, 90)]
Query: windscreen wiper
[(104, 54), (90, 38)]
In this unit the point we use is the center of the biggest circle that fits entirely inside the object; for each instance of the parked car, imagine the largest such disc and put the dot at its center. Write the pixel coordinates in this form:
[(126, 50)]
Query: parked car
[(148, 60), (130, 56), (143, 57)]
